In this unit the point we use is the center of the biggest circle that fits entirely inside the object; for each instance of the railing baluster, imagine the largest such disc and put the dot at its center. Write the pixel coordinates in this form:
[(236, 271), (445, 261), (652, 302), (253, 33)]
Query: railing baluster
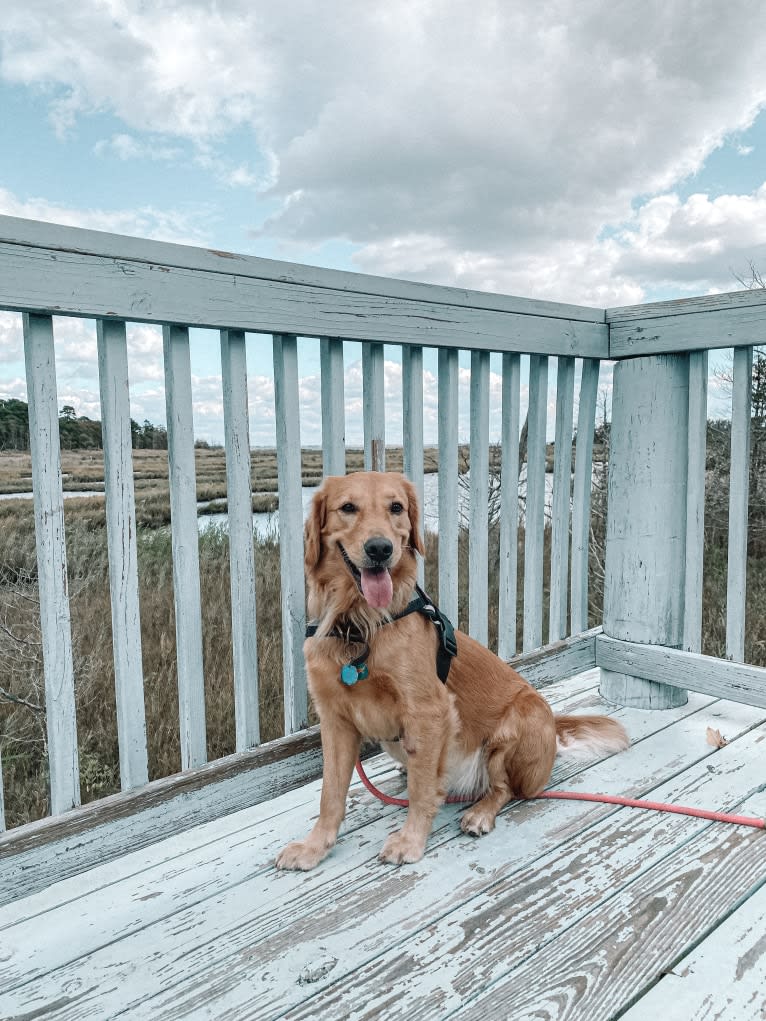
[(562, 495), (583, 484), (185, 543), (290, 530), (534, 518), (412, 424), (333, 407), (509, 506), (123, 552), (738, 499), (478, 624), (695, 500), (240, 512), (373, 407), (448, 482), (55, 622)]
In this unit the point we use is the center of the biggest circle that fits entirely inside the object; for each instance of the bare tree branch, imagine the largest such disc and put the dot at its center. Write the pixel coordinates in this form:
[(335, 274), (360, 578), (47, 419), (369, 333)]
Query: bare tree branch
[(8, 697)]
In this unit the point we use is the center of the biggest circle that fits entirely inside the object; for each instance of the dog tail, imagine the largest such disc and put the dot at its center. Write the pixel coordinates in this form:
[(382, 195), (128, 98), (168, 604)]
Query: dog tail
[(588, 737)]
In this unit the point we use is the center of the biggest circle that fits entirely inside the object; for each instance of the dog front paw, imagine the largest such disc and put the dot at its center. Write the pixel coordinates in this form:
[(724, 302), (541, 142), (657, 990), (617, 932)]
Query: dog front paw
[(401, 848), (301, 856)]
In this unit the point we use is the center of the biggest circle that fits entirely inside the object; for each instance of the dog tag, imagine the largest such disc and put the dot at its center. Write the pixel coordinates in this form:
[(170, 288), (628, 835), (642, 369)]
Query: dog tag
[(349, 674)]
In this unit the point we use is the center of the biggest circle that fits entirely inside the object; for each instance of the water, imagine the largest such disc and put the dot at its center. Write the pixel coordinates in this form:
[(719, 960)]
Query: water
[(67, 494), (266, 524)]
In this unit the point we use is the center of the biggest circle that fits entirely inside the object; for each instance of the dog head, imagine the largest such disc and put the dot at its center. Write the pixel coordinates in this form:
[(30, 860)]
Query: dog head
[(361, 537)]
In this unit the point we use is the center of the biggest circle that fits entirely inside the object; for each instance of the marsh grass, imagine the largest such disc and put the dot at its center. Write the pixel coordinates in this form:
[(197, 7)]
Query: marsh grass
[(22, 728)]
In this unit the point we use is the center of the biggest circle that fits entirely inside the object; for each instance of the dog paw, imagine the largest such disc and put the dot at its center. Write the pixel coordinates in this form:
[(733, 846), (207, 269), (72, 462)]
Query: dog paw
[(300, 856), (401, 848), (476, 822)]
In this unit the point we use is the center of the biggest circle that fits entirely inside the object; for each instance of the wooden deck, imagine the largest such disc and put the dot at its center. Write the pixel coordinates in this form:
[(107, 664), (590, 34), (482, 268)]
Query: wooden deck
[(567, 910)]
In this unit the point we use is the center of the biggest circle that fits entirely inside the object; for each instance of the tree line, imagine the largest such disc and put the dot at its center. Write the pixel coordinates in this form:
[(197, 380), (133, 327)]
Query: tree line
[(77, 432)]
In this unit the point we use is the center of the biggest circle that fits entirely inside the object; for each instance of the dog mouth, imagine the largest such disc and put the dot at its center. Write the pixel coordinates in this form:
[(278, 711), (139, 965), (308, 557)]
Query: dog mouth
[(374, 582)]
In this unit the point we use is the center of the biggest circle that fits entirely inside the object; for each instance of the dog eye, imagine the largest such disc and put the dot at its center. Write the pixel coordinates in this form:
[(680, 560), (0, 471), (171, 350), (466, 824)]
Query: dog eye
[(349, 508), (396, 507)]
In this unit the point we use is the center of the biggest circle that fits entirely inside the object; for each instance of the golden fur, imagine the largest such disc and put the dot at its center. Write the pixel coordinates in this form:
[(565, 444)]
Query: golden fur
[(487, 730)]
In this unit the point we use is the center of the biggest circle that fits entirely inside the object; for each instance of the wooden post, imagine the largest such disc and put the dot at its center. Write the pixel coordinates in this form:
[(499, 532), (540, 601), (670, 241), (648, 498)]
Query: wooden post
[(448, 482), (53, 583), (374, 407), (244, 645), (333, 406), (123, 552), (286, 407), (646, 525), (412, 426), (478, 525), (185, 545)]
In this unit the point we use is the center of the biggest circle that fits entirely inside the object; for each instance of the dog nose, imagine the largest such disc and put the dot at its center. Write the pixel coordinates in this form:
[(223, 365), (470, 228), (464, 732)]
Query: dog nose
[(378, 549)]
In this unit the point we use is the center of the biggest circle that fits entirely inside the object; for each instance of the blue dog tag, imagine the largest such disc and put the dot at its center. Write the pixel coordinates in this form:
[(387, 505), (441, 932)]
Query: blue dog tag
[(349, 674)]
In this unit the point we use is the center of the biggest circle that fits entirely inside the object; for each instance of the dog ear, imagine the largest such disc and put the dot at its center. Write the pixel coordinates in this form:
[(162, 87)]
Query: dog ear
[(312, 534), (416, 540)]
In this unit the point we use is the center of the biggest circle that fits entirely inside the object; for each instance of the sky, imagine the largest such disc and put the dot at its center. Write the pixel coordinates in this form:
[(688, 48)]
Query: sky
[(599, 153)]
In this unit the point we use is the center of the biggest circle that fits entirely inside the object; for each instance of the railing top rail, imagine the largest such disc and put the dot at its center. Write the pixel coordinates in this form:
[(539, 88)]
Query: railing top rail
[(37, 234), (47, 269), (726, 301), (734, 319), (53, 269)]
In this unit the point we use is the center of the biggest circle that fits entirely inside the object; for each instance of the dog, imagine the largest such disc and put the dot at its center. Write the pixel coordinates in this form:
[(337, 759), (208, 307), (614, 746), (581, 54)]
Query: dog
[(374, 659)]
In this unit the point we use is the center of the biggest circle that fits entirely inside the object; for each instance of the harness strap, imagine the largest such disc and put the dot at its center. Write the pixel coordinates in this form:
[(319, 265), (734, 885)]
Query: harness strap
[(446, 649)]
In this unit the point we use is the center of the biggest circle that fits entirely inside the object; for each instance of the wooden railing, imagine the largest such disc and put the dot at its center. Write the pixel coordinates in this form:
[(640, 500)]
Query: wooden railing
[(654, 552)]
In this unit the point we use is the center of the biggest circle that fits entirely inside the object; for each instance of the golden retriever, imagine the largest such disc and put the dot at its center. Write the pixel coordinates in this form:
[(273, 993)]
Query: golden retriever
[(371, 674)]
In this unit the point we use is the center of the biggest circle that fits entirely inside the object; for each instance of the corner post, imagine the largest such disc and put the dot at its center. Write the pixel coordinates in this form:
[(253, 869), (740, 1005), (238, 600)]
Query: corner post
[(646, 521)]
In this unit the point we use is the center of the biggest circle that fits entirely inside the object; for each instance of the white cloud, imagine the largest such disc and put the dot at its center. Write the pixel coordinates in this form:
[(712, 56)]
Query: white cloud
[(492, 150), (503, 146), (14, 388), (128, 147), (147, 221), (698, 244), (11, 342), (170, 69)]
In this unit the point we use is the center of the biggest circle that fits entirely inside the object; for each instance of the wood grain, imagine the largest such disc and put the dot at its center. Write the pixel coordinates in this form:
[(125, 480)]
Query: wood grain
[(53, 582), (721, 320), (646, 524), (59, 240), (722, 979), (123, 553), (706, 674), (228, 955), (73, 283), (52, 849)]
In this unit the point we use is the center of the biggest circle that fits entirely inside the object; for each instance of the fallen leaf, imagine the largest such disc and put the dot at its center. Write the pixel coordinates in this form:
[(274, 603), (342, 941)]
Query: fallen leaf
[(715, 738)]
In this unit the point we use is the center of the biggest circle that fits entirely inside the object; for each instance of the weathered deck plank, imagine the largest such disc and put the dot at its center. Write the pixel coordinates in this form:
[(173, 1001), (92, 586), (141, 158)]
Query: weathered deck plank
[(154, 884), (633, 935), (723, 979), (247, 840), (480, 942), (51, 850), (202, 925)]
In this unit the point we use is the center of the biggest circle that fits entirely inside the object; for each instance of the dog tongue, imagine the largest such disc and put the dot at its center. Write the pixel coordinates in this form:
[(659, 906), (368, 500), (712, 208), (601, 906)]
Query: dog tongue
[(377, 588)]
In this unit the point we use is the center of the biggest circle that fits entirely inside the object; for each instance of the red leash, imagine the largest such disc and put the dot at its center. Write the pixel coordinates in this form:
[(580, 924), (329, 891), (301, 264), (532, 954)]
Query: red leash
[(608, 799)]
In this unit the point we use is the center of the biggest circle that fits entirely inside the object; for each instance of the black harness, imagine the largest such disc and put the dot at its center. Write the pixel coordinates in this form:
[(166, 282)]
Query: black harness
[(356, 669)]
